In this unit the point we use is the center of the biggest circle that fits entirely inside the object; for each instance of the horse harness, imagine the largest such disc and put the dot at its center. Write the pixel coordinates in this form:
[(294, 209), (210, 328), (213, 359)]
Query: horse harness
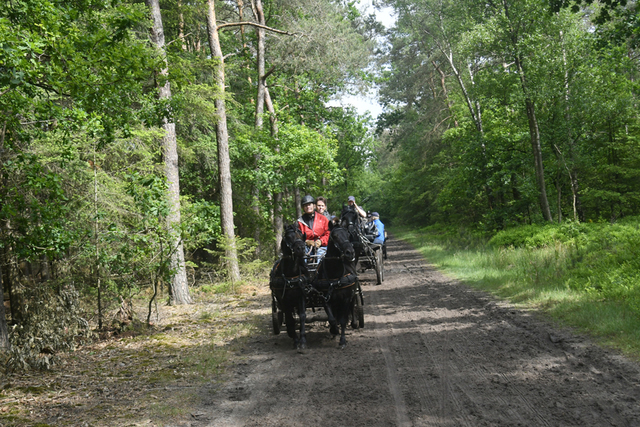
[(286, 282), (345, 281)]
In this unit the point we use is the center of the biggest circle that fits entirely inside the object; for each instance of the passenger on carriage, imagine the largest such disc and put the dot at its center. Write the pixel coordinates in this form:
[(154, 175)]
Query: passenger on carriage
[(381, 235), (352, 202), (321, 207), (314, 226)]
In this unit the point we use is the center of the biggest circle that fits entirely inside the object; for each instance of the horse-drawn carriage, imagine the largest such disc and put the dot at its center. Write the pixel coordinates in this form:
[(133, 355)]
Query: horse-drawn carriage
[(369, 255), (299, 281)]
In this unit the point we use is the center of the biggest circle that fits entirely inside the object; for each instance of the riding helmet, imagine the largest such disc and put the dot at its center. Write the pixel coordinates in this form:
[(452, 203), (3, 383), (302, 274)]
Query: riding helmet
[(307, 199)]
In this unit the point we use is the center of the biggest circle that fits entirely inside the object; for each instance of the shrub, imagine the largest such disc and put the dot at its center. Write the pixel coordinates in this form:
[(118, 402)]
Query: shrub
[(51, 322)]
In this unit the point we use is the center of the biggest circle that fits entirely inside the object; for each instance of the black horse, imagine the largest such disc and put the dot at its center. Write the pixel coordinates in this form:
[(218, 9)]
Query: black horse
[(350, 220), (288, 282), (336, 280)]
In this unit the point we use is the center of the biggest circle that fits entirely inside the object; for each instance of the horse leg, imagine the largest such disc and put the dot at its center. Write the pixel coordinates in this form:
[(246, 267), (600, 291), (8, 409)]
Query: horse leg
[(352, 312), (344, 316), (343, 327), (302, 313), (291, 327), (333, 323)]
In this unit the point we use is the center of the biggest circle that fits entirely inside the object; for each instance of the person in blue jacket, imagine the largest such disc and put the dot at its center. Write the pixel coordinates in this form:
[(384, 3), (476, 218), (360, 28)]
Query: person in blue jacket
[(381, 236)]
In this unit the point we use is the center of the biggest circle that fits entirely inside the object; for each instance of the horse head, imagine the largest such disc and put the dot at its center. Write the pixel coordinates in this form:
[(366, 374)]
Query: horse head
[(292, 244), (292, 241), (350, 220), (339, 239)]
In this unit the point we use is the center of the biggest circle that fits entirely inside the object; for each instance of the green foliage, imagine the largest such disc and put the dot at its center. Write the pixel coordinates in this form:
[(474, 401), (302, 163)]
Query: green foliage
[(83, 194), (60, 56), (537, 236), (201, 223), (34, 202), (251, 268), (444, 168)]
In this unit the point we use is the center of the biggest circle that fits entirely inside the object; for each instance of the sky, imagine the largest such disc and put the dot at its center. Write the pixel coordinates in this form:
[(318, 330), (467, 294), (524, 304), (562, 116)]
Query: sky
[(368, 102)]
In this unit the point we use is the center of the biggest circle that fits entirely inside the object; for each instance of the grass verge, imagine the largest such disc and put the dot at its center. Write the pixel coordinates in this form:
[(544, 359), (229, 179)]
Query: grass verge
[(585, 276)]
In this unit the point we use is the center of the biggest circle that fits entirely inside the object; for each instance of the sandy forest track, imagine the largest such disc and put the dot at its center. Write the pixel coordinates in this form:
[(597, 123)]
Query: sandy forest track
[(432, 353)]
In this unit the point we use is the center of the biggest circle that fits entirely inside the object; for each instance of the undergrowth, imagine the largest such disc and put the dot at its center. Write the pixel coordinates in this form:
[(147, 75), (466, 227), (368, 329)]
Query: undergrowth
[(144, 375)]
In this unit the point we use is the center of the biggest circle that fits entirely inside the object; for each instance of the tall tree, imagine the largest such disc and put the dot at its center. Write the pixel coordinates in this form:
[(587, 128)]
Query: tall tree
[(518, 24), (222, 135), (260, 101), (179, 285)]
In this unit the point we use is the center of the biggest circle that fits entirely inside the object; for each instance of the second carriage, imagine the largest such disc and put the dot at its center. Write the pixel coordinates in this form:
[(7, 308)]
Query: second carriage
[(369, 255)]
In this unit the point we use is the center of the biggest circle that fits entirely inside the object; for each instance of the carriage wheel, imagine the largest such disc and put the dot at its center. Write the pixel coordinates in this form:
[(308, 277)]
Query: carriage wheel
[(378, 262), (381, 262), (275, 317), (359, 312)]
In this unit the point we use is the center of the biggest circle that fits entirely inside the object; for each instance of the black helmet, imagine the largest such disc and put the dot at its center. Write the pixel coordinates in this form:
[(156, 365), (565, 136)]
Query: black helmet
[(307, 199)]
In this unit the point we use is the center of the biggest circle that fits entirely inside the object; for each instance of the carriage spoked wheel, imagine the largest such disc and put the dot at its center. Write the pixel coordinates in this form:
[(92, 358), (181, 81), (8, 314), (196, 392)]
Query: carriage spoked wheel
[(276, 316), (359, 310), (379, 266)]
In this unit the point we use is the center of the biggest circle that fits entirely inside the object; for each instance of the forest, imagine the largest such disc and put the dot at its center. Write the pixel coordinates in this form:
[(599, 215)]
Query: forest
[(149, 149)]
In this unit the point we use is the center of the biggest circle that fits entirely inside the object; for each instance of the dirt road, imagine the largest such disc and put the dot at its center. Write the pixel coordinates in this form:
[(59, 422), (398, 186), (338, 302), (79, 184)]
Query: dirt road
[(432, 353)]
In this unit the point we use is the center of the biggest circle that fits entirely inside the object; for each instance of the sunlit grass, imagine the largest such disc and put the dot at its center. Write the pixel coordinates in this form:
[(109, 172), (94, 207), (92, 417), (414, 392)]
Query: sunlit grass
[(581, 282)]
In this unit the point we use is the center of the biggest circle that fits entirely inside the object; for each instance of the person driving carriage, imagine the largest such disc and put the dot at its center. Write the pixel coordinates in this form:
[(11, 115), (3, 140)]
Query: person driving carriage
[(352, 202), (314, 227)]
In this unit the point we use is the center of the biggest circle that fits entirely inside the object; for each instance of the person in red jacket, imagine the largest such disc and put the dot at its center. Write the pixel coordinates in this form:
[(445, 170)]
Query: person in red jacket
[(314, 226)]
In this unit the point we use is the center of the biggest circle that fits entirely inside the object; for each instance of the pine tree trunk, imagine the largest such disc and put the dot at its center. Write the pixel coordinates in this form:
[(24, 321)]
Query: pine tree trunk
[(179, 286), (297, 198), (278, 220), (534, 133), (224, 163), (260, 101), (4, 330)]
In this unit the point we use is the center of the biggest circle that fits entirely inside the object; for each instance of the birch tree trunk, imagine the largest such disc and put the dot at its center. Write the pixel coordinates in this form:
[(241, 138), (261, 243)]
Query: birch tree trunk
[(224, 163), (578, 214), (179, 287), (445, 92)]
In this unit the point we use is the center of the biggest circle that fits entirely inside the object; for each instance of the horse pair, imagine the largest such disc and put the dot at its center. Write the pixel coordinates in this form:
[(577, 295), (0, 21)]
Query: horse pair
[(334, 284)]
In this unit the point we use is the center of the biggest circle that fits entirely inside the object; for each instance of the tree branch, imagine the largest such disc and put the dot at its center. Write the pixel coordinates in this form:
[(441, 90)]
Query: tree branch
[(179, 38), (268, 73), (239, 24)]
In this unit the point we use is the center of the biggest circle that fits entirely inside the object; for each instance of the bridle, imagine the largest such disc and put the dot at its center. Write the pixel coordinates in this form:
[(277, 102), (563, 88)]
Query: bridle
[(300, 280), (350, 222), (291, 245), (340, 247)]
